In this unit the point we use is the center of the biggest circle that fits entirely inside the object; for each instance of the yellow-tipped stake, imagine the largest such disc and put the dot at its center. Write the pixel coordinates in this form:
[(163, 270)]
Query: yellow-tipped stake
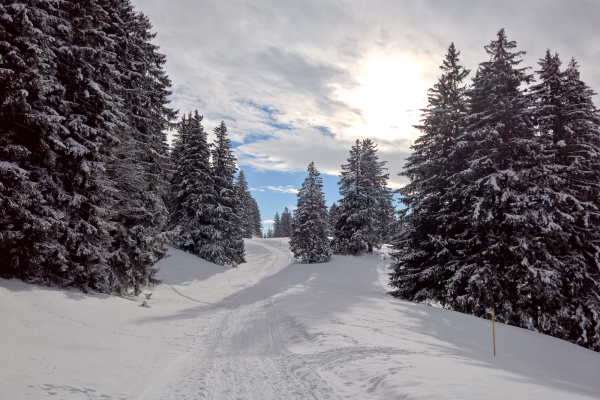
[(493, 332)]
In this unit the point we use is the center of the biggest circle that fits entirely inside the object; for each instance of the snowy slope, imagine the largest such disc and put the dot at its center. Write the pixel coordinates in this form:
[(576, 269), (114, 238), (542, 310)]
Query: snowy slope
[(271, 329)]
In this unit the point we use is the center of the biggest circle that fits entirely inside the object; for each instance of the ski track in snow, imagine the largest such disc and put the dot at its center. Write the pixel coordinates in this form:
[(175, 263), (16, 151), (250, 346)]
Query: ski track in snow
[(242, 355)]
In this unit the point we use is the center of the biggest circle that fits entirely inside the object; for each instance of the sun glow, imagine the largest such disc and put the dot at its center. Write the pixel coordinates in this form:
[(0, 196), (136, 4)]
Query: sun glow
[(390, 94)]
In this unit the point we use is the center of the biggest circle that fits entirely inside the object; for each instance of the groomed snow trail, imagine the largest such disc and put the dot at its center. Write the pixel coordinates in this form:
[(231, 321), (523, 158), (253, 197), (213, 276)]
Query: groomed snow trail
[(240, 353)]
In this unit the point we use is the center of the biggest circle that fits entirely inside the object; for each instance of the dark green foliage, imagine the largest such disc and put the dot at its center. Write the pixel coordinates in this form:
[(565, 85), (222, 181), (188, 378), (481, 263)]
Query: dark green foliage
[(67, 126), (249, 212), (309, 241), (226, 245), (192, 188), (420, 254), (363, 211), (502, 208)]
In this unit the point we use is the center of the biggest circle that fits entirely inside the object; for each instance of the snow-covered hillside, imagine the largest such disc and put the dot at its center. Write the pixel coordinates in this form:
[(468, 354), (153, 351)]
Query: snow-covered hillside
[(271, 329)]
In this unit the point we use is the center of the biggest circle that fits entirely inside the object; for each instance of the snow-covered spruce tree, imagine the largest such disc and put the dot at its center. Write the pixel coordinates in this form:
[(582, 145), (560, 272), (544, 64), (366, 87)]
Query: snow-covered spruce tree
[(420, 255), (348, 236), (192, 189), (309, 241), (569, 126), (30, 132), (286, 223), (256, 219), (249, 207), (503, 256), (226, 245), (270, 233), (86, 96), (277, 225), (141, 166), (363, 187), (378, 208), (332, 218)]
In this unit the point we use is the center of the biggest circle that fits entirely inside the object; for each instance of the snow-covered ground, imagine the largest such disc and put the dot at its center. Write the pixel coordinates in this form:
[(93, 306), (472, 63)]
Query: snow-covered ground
[(271, 329)]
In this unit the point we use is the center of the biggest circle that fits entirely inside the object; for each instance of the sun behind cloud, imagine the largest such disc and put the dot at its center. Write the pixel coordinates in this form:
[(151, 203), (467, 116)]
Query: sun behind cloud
[(390, 94)]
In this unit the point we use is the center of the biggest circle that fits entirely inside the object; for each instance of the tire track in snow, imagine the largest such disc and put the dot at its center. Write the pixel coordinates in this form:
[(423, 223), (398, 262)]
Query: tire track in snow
[(242, 355)]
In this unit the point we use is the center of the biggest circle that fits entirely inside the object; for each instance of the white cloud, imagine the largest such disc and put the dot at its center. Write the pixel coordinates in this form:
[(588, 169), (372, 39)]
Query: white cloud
[(268, 221), (285, 152), (280, 70), (283, 189)]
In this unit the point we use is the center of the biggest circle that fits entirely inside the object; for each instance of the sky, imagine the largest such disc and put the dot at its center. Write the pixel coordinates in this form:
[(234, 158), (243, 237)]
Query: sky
[(300, 81)]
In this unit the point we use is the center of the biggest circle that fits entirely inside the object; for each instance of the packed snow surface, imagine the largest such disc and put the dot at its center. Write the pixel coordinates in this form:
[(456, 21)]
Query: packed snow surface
[(272, 329)]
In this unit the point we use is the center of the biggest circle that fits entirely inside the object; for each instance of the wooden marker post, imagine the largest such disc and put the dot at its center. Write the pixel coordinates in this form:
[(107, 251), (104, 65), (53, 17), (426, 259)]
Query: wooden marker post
[(493, 332)]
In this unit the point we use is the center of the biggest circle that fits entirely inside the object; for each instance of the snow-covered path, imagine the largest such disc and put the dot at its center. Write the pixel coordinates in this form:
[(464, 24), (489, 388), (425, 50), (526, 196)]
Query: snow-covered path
[(272, 329), (241, 354)]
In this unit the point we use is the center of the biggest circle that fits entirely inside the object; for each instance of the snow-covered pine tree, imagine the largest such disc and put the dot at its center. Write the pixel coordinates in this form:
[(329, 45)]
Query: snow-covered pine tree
[(309, 241), (246, 211), (569, 126), (141, 165), (377, 198), (227, 243), (286, 223), (419, 255), (503, 256), (333, 217), (363, 187), (192, 189), (277, 225), (256, 219), (348, 236), (30, 132), (270, 233), (86, 96)]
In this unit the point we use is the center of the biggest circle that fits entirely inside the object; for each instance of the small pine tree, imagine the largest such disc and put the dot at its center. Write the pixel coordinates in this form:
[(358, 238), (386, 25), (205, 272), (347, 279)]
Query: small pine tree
[(309, 241)]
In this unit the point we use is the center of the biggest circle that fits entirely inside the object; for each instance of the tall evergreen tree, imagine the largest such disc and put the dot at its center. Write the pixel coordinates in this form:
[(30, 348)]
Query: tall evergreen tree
[(363, 187), (568, 126), (333, 217), (277, 226), (193, 190), (256, 219), (141, 165), (31, 131), (227, 243), (501, 254), (286, 223), (68, 142), (309, 241), (427, 222), (377, 198), (246, 210)]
